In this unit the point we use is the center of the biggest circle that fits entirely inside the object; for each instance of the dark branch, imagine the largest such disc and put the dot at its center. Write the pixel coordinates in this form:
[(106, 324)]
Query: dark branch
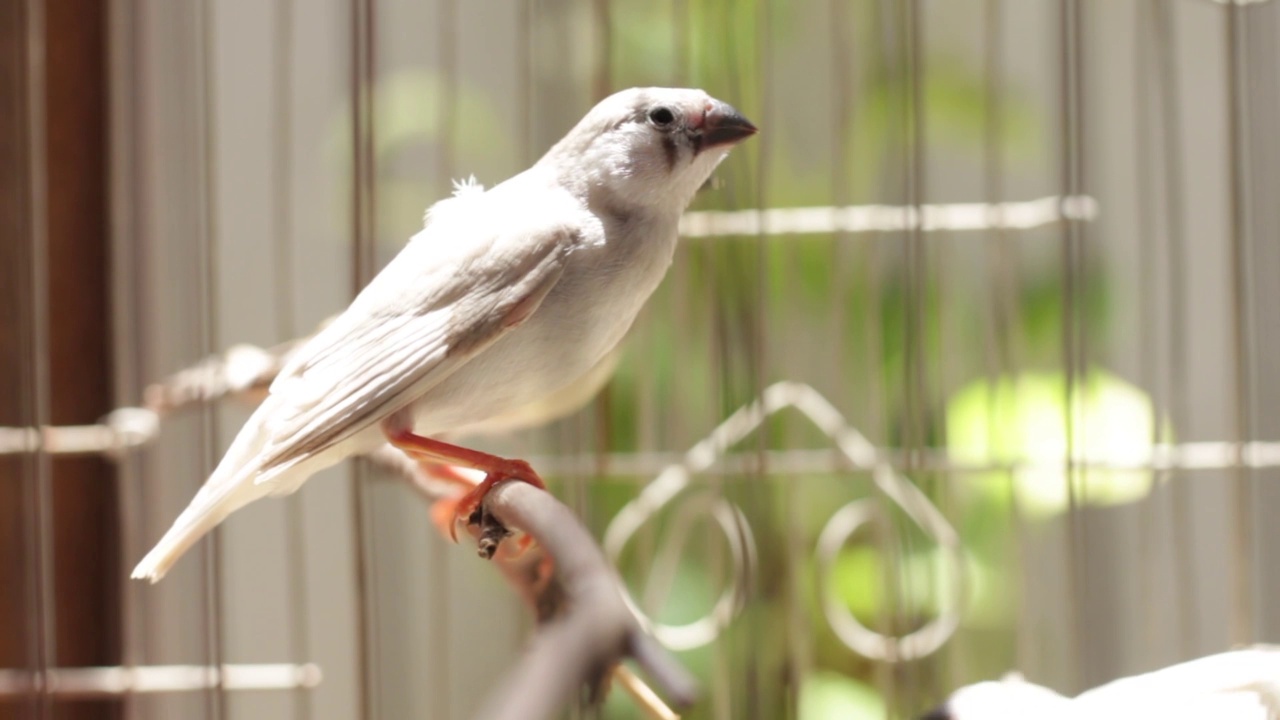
[(585, 628), (596, 629)]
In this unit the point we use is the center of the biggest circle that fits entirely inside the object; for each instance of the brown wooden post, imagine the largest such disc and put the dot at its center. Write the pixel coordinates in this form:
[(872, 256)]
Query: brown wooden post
[(85, 604), (15, 409)]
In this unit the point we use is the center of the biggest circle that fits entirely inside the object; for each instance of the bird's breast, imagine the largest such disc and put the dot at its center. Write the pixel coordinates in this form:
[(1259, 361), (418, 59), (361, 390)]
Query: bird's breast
[(602, 290)]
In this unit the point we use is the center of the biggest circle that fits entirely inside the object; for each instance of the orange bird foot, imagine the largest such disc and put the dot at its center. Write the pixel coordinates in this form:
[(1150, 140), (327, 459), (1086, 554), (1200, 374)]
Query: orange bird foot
[(471, 505), (445, 516)]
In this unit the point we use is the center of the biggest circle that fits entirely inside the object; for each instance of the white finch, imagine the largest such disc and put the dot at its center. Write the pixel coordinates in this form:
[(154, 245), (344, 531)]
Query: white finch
[(506, 296), (1237, 685)]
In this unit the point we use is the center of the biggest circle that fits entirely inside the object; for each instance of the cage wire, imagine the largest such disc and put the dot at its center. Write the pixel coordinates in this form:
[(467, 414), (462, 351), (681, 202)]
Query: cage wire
[(961, 366)]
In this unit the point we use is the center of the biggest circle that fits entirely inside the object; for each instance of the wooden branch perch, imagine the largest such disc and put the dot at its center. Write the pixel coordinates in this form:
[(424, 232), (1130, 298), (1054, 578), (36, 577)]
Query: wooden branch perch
[(585, 627), (596, 629)]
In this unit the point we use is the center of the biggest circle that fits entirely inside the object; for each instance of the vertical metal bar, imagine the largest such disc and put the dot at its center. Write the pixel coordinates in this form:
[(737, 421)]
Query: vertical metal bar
[(1004, 354), (645, 394), (915, 385), (756, 326), (446, 41), (600, 429), (1001, 243), (895, 23), (758, 320), (285, 296), (20, 621), (873, 339), (755, 321), (996, 253), (525, 74), (1179, 389), (285, 290), (602, 73), (130, 499), (1145, 129), (364, 229), (207, 292), (842, 90), (363, 79), (439, 628), (124, 93), (916, 392), (874, 272), (1264, 262), (39, 501), (1239, 187), (680, 28), (1073, 258)]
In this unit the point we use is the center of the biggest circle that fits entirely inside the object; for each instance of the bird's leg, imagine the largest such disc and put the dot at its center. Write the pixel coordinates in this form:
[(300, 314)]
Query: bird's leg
[(447, 473), (496, 470), (444, 509)]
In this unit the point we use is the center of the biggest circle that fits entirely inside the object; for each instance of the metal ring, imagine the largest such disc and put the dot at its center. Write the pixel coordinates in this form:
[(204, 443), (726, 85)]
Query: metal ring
[(742, 549), (859, 638)]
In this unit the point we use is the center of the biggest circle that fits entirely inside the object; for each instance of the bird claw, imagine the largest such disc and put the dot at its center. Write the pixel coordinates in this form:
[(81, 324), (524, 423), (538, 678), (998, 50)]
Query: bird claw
[(471, 507)]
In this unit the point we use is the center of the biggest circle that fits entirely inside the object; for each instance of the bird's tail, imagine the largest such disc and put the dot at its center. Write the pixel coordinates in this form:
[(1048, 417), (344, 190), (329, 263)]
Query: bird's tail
[(230, 487), (190, 526)]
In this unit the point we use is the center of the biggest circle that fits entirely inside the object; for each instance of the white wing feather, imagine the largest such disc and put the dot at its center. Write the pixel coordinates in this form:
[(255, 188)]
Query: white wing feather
[(460, 284)]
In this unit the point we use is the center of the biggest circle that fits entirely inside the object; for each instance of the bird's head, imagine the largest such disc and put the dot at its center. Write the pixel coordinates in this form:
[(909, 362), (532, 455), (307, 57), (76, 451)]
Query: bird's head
[(651, 146)]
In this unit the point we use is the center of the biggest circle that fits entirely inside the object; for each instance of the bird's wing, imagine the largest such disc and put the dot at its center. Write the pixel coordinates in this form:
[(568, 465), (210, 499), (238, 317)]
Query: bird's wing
[(437, 305)]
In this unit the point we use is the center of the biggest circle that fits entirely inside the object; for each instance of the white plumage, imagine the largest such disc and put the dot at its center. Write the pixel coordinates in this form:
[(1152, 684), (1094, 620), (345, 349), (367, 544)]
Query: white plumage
[(1239, 685), (505, 298)]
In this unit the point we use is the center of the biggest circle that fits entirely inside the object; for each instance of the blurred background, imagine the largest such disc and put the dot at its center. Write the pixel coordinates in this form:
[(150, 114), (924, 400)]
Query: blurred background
[(1015, 254)]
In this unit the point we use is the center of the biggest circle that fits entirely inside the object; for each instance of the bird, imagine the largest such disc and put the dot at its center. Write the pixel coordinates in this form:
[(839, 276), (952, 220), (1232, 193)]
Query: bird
[(506, 296), (1009, 698), (1242, 684)]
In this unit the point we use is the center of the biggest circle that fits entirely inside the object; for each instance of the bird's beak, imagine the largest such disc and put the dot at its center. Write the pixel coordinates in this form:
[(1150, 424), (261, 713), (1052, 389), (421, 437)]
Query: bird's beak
[(723, 125)]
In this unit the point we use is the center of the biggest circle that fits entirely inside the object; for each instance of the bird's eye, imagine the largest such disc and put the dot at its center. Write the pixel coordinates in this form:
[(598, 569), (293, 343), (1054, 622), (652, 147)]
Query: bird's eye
[(661, 117)]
